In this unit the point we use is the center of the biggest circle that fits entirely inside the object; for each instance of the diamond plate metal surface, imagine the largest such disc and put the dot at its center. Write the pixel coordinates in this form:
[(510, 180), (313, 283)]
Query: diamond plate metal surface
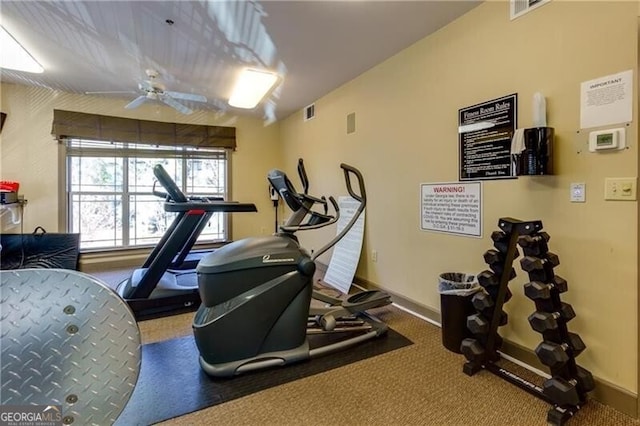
[(66, 339)]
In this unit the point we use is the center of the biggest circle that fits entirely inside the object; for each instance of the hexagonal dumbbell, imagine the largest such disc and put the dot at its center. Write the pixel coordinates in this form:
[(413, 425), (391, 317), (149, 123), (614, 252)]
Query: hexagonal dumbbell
[(576, 344), (584, 379), (493, 256), (485, 305), (562, 392), (540, 269), (536, 290), (500, 241), (472, 349), (531, 263), (534, 245), (552, 354), (478, 324), (490, 278), (556, 355), (482, 302), (546, 321)]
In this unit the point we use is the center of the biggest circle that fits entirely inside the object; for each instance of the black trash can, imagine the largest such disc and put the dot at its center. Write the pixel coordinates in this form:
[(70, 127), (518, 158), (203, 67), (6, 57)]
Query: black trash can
[(456, 291)]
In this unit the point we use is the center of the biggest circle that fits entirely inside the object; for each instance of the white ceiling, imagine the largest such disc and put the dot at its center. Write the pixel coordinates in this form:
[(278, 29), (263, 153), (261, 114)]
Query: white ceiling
[(316, 46)]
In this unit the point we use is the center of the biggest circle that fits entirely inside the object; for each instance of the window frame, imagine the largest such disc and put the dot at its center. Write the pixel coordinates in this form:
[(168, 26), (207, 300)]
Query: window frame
[(181, 153)]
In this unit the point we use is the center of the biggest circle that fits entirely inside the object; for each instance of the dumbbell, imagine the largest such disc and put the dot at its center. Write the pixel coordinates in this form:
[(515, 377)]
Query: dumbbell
[(531, 263), (536, 290), (555, 355), (540, 269), (546, 321), (534, 245), (500, 241), (484, 304), (490, 278), (472, 349), (584, 379), (492, 256), (478, 324), (561, 392)]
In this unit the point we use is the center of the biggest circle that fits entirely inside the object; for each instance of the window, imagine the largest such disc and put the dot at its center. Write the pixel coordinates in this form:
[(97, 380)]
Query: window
[(109, 186)]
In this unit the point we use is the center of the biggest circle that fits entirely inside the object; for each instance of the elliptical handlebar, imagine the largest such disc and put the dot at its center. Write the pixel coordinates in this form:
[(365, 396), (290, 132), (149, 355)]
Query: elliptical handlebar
[(362, 197), (303, 176), (302, 173)]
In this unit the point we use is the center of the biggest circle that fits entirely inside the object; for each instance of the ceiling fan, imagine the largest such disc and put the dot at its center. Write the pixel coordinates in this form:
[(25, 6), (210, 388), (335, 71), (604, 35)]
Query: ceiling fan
[(152, 89)]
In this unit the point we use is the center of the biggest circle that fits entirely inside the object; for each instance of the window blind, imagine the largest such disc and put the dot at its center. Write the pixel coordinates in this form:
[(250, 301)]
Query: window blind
[(70, 124)]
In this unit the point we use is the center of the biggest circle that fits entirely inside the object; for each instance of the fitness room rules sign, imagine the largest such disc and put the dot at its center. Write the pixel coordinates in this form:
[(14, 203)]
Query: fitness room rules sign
[(452, 208), (484, 132)]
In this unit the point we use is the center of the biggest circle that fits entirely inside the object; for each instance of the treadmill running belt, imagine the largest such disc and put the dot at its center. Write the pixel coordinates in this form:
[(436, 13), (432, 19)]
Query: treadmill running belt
[(172, 384)]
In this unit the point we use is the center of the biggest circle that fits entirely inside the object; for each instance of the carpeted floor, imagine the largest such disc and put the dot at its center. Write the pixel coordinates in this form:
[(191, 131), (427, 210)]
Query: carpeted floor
[(421, 384)]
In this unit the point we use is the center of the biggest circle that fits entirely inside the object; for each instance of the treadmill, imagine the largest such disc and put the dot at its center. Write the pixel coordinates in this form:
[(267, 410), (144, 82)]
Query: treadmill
[(158, 288)]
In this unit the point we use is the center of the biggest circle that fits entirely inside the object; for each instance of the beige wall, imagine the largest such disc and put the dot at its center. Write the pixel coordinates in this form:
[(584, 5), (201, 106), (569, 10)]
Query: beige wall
[(406, 112), (30, 154), (406, 121)]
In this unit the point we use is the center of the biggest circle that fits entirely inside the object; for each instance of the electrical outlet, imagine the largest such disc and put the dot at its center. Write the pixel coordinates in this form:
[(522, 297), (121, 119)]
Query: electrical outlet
[(620, 189), (374, 255)]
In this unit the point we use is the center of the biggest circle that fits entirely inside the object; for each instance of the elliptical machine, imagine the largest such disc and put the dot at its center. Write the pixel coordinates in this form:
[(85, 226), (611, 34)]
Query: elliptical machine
[(256, 295), (332, 311)]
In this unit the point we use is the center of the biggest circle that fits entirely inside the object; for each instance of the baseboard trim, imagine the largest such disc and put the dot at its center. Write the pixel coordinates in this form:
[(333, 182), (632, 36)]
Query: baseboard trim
[(95, 262), (605, 392)]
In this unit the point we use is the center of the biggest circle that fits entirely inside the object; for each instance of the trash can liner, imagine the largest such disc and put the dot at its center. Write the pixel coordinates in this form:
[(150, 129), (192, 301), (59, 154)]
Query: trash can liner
[(458, 283)]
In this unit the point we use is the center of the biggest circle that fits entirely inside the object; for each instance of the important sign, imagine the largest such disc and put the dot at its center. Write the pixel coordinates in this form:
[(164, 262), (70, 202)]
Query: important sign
[(454, 208)]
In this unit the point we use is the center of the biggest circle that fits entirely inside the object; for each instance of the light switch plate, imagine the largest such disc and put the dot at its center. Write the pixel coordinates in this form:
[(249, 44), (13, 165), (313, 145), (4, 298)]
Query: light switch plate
[(620, 189), (578, 192)]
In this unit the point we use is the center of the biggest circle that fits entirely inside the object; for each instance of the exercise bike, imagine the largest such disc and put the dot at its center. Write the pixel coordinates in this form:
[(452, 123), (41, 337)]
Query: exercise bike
[(256, 294)]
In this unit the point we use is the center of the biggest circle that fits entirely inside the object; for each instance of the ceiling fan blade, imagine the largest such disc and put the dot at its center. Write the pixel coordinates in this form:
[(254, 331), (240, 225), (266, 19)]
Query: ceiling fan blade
[(109, 92), (186, 96), (175, 104), (136, 102)]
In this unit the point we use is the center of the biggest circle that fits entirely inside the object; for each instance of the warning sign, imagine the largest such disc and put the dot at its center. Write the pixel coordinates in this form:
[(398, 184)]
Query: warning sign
[(454, 208)]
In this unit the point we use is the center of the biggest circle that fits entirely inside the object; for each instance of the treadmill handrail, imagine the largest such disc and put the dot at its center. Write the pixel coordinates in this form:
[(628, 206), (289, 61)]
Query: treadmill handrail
[(192, 197), (169, 184), (215, 206)]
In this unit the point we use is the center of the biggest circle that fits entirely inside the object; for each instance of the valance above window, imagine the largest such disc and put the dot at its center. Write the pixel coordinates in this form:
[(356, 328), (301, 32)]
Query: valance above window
[(69, 124)]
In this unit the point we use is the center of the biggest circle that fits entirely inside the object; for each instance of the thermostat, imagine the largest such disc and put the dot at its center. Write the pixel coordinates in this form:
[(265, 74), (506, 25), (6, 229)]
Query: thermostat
[(611, 139)]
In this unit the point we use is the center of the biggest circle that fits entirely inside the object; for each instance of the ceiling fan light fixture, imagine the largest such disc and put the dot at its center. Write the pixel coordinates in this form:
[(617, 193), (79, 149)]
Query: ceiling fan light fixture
[(14, 56), (252, 85)]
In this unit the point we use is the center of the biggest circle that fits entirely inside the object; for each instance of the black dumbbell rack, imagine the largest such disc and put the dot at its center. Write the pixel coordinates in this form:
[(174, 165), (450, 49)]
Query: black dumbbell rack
[(569, 384)]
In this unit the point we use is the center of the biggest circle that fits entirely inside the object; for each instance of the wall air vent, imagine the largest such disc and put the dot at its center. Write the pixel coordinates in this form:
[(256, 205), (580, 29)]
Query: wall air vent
[(520, 7), (309, 112)]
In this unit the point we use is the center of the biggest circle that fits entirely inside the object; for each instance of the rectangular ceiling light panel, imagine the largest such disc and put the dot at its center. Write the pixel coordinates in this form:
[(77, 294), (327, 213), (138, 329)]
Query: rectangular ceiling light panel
[(251, 87), (14, 57)]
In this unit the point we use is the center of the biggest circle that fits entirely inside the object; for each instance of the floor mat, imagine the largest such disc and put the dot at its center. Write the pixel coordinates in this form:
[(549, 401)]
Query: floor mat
[(172, 384)]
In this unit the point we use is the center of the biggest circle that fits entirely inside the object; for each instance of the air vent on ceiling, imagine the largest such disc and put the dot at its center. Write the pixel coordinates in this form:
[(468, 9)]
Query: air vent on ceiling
[(520, 7), (309, 112)]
